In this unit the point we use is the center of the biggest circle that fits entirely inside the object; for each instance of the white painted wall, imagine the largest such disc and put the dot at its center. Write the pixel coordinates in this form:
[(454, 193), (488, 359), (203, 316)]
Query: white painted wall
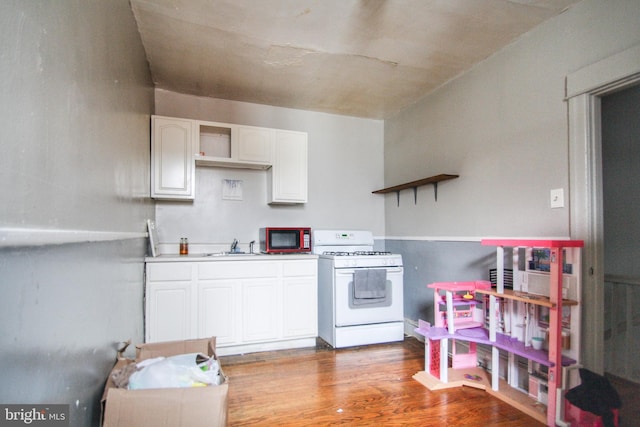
[(345, 165), (503, 128)]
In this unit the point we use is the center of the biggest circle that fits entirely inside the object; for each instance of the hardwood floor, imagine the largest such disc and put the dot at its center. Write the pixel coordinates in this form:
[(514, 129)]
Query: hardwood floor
[(630, 394), (368, 385)]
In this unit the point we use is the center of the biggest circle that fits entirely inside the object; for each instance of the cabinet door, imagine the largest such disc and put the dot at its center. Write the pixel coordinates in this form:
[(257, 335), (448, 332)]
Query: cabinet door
[(260, 306), (169, 311), (288, 175), (254, 144), (172, 158), (300, 298), (219, 310), (300, 313)]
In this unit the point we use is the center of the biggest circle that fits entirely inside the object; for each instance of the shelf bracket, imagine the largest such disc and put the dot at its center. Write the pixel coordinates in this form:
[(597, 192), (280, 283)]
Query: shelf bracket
[(435, 190), (415, 195), (398, 198)]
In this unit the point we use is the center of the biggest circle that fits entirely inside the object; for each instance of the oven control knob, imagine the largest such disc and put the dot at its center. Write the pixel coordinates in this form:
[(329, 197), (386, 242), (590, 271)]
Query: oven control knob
[(354, 263)]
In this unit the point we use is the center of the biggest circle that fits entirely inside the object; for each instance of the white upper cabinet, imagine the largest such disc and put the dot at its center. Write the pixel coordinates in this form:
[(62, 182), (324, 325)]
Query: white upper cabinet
[(254, 144), (172, 159), (287, 178), (227, 145), (179, 145)]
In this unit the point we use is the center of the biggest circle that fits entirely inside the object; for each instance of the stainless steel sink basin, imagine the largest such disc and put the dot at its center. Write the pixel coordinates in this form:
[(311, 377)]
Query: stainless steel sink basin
[(237, 253), (230, 254)]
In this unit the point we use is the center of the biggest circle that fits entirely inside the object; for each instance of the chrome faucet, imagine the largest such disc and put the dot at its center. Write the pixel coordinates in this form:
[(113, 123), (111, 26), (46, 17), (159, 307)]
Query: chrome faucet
[(251, 246), (234, 245)]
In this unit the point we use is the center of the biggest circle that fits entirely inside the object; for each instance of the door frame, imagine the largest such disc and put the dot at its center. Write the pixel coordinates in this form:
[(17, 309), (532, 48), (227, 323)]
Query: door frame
[(584, 89)]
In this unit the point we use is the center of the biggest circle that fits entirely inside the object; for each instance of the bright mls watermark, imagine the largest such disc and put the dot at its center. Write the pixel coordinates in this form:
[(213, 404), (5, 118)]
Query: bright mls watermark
[(34, 415)]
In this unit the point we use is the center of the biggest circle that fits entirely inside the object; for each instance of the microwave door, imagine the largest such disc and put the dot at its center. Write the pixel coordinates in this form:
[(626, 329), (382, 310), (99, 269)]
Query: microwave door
[(285, 240)]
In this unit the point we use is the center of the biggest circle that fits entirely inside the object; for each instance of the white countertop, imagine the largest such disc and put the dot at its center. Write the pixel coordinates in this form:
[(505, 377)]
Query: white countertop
[(222, 257)]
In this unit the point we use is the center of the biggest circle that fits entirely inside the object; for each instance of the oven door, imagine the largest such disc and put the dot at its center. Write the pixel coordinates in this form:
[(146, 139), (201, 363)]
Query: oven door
[(350, 312)]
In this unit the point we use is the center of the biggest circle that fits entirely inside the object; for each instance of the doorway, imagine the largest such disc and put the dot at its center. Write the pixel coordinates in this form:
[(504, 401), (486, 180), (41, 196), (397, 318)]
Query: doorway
[(585, 89), (620, 113)]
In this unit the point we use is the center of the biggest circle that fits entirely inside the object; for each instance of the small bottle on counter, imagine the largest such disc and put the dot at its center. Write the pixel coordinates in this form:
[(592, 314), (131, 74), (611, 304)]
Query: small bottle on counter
[(184, 246)]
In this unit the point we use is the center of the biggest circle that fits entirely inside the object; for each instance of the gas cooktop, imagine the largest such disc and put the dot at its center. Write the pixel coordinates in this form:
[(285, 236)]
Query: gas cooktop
[(355, 253)]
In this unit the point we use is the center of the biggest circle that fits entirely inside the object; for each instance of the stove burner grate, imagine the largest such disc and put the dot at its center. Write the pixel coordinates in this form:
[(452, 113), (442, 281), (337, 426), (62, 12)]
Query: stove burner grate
[(356, 253)]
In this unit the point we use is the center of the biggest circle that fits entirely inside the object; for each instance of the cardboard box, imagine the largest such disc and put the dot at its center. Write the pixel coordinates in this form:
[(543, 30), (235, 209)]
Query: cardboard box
[(168, 407)]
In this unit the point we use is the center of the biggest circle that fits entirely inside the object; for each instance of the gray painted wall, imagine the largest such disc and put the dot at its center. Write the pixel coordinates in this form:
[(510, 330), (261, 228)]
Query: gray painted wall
[(345, 165), (503, 128), (74, 112), (64, 310), (426, 262)]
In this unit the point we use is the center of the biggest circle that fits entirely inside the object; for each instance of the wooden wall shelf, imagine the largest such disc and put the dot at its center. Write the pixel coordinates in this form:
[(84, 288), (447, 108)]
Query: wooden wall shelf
[(434, 180)]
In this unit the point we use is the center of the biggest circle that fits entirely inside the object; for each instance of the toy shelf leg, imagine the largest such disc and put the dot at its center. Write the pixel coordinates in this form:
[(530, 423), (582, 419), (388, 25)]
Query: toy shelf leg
[(450, 317), (427, 354), (495, 368), (495, 354), (513, 374), (555, 331)]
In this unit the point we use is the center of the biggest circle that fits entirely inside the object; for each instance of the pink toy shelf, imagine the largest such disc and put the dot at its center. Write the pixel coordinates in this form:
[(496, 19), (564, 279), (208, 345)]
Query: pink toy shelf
[(543, 295)]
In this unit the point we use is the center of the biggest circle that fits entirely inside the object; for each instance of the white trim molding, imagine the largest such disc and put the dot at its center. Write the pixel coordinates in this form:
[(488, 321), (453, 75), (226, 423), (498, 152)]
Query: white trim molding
[(16, 237), (468, 238), (584, 89), (612, 73)]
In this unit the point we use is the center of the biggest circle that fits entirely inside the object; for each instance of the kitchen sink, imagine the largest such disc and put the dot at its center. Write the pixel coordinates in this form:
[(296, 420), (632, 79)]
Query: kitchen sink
[(238, 253), (230, 254)]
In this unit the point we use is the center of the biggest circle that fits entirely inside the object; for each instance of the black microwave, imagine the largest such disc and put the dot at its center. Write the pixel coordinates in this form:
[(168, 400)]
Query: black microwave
[(281, 240)]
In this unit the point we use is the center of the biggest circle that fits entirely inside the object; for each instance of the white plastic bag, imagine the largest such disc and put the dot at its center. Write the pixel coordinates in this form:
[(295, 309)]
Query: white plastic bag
[(185, 370)]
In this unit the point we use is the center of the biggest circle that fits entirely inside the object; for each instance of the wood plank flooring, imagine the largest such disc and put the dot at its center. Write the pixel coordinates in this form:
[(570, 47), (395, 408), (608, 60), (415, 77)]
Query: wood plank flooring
[(368, 385), (630, 394)]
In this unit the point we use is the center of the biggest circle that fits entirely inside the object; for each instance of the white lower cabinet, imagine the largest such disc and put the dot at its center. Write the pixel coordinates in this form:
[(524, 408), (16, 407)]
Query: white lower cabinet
[(246, 305), (260, 309), (218, 314), (169, 297), (300, 305), (169, 311)]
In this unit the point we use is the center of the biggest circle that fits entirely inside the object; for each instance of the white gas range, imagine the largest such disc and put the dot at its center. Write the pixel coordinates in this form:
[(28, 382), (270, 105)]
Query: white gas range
[(360, 291)]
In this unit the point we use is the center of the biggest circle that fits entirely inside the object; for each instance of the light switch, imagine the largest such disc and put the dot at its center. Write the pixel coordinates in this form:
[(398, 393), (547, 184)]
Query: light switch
[(557, 198)]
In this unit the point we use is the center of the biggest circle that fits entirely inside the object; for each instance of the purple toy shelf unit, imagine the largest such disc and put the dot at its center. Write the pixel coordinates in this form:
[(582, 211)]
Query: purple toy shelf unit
[(537, 324)]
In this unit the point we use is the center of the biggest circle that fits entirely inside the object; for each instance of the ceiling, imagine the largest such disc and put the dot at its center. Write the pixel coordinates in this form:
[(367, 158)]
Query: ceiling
[(363, 58)]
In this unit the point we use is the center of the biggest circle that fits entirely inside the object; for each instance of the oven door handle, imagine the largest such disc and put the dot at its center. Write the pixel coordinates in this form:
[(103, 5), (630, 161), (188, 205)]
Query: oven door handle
[(350, 271)]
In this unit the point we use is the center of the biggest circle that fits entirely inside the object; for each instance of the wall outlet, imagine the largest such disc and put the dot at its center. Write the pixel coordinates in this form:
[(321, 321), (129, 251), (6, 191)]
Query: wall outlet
[(557, 198)]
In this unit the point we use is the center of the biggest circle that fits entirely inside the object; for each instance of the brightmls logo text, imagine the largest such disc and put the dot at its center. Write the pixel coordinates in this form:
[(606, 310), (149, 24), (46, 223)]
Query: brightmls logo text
[(34, 415)]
